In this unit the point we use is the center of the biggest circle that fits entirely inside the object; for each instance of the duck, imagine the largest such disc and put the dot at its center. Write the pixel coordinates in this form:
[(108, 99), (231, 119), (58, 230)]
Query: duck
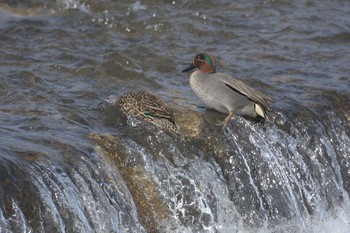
[(150, 107), (225, 93)]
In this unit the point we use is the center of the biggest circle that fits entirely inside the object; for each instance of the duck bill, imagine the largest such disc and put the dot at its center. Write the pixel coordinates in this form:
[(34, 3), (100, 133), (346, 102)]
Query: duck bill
[(190, 67)]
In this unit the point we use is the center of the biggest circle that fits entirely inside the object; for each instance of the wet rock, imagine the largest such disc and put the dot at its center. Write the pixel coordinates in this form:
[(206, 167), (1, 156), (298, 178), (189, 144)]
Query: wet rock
[(151, 208), (190, 123)]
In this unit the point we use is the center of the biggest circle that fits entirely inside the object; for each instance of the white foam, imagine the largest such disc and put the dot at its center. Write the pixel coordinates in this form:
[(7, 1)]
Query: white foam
[(137, 6), (73, 4)]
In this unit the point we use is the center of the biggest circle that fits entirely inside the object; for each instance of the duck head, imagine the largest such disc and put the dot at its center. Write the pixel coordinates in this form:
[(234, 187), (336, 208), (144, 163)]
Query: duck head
[(204, 62)]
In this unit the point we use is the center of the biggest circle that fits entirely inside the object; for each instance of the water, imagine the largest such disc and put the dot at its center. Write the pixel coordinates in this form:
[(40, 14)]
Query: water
[(70, 162)]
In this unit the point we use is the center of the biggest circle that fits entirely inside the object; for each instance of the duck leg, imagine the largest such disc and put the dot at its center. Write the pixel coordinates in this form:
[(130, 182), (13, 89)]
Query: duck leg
[(224, 123), (230, 114)]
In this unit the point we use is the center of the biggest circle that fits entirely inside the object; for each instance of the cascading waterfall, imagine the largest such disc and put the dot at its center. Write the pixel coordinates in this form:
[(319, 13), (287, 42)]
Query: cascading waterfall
[(249, 176)]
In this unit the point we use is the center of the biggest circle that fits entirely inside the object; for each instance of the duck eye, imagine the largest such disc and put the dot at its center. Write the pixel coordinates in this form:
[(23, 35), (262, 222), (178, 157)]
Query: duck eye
[(199, 58)]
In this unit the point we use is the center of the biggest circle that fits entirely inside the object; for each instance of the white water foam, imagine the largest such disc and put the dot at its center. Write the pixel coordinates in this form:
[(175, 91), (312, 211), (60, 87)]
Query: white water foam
[(73, 4)]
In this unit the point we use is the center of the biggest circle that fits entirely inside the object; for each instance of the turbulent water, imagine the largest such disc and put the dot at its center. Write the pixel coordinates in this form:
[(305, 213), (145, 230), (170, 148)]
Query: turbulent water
[(70, 162)]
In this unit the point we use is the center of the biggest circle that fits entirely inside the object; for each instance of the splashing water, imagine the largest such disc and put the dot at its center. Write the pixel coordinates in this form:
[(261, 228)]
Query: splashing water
[(73, 4)]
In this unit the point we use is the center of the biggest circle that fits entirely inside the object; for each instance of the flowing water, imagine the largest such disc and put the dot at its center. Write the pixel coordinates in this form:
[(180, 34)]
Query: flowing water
[(70, 162)]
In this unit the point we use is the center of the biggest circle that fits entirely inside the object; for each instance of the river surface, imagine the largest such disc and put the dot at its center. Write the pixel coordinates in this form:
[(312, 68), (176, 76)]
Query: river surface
[(69, 162)]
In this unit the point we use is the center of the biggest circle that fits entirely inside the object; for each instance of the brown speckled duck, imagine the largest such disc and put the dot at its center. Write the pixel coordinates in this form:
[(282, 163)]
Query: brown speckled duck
[(148, 106)]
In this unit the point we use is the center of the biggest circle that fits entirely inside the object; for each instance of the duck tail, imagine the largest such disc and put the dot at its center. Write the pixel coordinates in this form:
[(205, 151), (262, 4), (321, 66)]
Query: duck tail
[(261, 111)]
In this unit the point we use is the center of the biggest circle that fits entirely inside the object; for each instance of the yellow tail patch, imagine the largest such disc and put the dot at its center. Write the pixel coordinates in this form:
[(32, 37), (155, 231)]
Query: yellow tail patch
[(259, 111)]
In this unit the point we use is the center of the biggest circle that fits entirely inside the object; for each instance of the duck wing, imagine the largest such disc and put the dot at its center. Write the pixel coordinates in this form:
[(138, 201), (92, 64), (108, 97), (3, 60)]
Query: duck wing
[(242, 88), (141, 102), (151, 105)]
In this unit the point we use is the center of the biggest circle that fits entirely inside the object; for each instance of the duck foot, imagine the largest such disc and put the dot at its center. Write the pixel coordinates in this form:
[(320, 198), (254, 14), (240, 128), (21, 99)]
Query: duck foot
[(224, 123)]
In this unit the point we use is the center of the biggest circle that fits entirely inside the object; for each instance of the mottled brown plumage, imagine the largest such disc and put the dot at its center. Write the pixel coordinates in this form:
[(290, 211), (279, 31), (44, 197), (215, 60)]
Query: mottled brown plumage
[(148, 106)]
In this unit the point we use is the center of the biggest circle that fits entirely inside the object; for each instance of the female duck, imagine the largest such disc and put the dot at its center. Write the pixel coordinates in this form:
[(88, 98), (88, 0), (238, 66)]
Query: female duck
[(150, 107)]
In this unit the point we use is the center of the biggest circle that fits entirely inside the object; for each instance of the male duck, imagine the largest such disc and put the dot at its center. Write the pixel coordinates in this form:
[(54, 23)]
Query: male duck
[(148, 106), (223, 92)]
